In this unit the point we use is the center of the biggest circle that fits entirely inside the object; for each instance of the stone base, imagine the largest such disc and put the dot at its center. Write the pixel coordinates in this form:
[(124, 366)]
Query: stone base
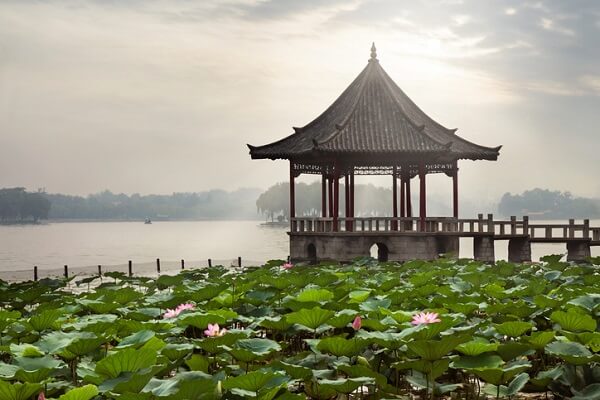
[(519, 250), (483, 249), (578, 251), (344, 247)]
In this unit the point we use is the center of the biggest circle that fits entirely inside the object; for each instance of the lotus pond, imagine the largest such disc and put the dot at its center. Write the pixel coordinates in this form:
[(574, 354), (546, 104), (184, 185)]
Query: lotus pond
[(321, 332)]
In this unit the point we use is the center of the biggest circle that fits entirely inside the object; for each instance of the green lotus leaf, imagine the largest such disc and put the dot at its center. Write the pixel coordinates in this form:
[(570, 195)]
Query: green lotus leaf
[(25, 350), (590, 392), (55, 342), (19, 391), (184, 386), (514, 328), (214, 344), (477, 361), (539, 340), (463, 308), (375, 303), (84, 343), (399, 316), (8, 371), (200, 320), (176, 351), (86, 392), (127, 360), (588, 301), (544, 301), (257, 297), (501, 375), (260, 347), (144, 314), (512, 350), (45, 320), (571, 352), (35, 370), (390, 340), (574, 321), (435, 349), (276, 323), (433, 369), (374, 324), (99, 306), (358, 371), (358, 296), (129, 382), (198, 362), (544, 378), (508, 391), (342, 318), (294, 371), (310, 318), (315, 295), (208, 292), (315, 391), (345, 386), (254, 381), (136, 340), (339, 346), (476, 347)]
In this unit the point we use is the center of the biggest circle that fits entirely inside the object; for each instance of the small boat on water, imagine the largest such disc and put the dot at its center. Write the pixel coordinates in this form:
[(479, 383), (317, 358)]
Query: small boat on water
[(147, 221)]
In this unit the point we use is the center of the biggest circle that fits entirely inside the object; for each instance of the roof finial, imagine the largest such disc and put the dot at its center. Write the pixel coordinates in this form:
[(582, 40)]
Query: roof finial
[(373, 52)]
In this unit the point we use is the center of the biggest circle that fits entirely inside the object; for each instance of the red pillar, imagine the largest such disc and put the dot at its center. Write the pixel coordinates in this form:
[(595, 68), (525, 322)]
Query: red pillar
[(292, 193), (336, 200), (352, 196), (422, 195), (323, 196), (455, 190), (408, 198), (403, 195), (395, 198), (330, 191), (347, 199)]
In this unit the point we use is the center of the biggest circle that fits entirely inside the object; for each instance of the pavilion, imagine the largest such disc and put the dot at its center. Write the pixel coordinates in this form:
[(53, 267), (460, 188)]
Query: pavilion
[(373, 128)]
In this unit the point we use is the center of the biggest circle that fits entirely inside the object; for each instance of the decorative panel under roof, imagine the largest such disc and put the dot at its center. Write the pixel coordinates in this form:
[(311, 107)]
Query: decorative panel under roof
[(374, 116)]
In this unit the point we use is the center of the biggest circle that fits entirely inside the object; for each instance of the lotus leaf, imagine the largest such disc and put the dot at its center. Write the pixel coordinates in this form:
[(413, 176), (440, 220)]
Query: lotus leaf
[(574, 321)]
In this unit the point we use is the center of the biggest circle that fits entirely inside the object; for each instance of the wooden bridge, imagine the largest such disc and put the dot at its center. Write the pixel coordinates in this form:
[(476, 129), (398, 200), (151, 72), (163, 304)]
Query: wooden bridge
[(520, 233)]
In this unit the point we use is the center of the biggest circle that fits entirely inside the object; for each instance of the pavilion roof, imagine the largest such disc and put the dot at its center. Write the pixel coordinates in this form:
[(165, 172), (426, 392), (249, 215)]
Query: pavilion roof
[(373, 116)]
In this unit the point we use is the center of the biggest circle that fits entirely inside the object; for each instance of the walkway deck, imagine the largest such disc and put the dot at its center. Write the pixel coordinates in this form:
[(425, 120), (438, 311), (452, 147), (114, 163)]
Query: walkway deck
[(519, 232)]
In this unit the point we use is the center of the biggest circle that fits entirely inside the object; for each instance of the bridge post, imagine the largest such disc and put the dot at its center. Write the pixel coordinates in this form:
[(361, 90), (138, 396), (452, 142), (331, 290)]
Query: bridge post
[(483, 249), (578, 250), (519, 250)]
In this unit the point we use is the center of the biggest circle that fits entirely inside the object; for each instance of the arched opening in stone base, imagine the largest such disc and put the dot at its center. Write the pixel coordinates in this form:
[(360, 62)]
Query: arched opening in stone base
[(311, 252), (379, 251)]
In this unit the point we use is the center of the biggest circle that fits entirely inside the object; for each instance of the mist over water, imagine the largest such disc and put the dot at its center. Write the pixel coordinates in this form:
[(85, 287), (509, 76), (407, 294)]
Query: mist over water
[(85, 244)]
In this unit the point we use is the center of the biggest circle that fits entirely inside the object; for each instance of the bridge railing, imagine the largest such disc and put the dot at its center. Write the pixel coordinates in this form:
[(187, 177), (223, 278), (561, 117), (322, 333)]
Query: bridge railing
[(564, 231), (462, 226), (391, 224)]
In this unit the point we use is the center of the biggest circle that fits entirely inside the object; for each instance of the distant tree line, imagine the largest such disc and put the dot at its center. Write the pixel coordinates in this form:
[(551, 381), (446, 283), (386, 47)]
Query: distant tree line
[(548, 204), (18, 205), (213, 204), (369, 200)]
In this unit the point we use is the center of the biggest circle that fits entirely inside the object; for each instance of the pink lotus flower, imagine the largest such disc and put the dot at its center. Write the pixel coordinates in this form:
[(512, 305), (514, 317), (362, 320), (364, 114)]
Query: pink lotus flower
[(357, 323), (41, 396), (287, 265), (178, 310), (214, 330), (425, 318)]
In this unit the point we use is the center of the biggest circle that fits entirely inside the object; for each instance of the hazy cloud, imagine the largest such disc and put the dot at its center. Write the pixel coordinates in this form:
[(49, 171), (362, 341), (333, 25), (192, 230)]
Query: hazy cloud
[(161, 96)]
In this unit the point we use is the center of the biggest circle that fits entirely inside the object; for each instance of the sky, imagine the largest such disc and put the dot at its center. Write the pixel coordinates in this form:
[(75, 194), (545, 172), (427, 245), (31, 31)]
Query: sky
[(161, 96)]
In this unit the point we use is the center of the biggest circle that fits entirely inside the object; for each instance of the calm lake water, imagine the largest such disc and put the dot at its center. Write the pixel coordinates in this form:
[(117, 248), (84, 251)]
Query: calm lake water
[(84, 244)]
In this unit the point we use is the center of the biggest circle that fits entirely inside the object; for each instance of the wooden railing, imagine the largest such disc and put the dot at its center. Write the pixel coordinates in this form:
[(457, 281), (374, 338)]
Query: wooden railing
[(512, 227)]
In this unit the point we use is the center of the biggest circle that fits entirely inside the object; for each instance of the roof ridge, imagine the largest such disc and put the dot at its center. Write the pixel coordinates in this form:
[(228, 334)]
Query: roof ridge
[(419, 127), (340, 126)]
